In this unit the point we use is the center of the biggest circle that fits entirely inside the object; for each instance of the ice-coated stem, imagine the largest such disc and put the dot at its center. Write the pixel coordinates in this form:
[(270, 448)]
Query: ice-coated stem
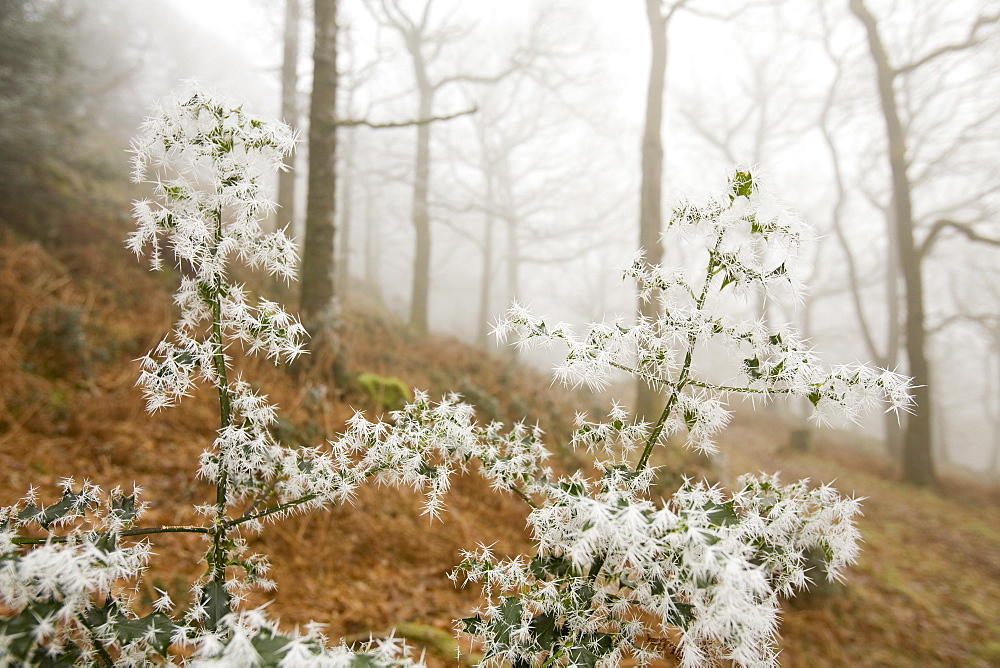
[(682, 378)]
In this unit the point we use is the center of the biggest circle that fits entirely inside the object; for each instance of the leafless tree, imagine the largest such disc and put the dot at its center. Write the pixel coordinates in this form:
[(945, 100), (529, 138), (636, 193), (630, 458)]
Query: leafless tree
[(425, 39), (918, 462), (884, 353), (532, 158)]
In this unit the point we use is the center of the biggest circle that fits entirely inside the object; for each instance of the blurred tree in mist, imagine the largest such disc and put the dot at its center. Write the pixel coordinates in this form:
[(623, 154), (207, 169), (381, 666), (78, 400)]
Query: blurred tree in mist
[(45, 136), (425, 40), (35, 89), (317, 297), (517, 170), (76, 79), (978, 315), (939, 164), (918, 460), (883, 350)]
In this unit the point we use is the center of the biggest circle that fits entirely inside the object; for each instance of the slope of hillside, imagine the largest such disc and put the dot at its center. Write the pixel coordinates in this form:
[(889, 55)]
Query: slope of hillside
[(925, 591), (926, 588), (71, 327)]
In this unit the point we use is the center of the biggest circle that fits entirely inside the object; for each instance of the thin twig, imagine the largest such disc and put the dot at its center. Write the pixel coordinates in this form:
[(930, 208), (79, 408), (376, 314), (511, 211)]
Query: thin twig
[(520, 492), (741, 390), (145, 531), (261, 498), (270, 511)]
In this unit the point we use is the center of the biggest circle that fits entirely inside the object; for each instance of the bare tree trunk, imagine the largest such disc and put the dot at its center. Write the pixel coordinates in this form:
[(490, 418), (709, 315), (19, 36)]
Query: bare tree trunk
[(486, 283), (893, 427), (346, 214), (513, 259), (289, 109), (993, 467), (318, 303), (420, 298), (889, 356), (918, 461), (650, 206), (318, 290)]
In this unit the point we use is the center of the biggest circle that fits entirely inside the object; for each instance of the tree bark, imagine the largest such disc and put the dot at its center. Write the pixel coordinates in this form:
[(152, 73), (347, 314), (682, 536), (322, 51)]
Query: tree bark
[(372, 249), (650, 198), (346, 212), (318, 290), (486, 282), (420, 297), (289, 109), (918, 461), (993, 467), (889, 357)]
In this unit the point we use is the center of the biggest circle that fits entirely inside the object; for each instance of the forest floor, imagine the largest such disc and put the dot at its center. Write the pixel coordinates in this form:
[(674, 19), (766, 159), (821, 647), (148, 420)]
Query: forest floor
[(925, 592)]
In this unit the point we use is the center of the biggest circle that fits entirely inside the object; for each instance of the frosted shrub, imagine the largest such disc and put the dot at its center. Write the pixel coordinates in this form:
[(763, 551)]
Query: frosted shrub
[(616, 573), (613, 570), (69, 571)]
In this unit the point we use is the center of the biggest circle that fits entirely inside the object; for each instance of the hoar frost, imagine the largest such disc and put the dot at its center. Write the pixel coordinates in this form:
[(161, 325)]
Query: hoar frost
[(614, 572)]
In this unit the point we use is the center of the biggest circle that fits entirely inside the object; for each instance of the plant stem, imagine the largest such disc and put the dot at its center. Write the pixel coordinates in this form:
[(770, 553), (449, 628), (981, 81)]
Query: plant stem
[(682, 378), (639, 374), (129, 532), (218, 556), (261, 498), (658, 428), (555, 656), (742, 390), (268, 511), (520, 492)]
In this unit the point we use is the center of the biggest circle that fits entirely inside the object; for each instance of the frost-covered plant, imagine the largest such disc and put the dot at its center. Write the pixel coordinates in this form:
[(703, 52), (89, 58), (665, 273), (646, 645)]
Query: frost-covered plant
[(69, 571), (616, 573), (613, 571)]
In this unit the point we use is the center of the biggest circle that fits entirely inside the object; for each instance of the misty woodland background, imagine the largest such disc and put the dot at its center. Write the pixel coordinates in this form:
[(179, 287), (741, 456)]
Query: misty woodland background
[(456, 156)]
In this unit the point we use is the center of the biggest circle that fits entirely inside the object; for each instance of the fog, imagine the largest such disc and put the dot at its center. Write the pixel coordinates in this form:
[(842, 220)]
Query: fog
[(534, 183)]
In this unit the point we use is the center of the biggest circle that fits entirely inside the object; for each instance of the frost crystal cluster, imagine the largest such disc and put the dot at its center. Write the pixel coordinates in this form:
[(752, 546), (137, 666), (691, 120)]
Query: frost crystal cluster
[(616, 575)]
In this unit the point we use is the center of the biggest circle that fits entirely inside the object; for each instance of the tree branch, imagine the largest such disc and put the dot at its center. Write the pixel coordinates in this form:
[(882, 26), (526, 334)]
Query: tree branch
[(121, 534), (354, 122), (479, 79), (987, 321), (271, 510), (969, 42), (966, 229)]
